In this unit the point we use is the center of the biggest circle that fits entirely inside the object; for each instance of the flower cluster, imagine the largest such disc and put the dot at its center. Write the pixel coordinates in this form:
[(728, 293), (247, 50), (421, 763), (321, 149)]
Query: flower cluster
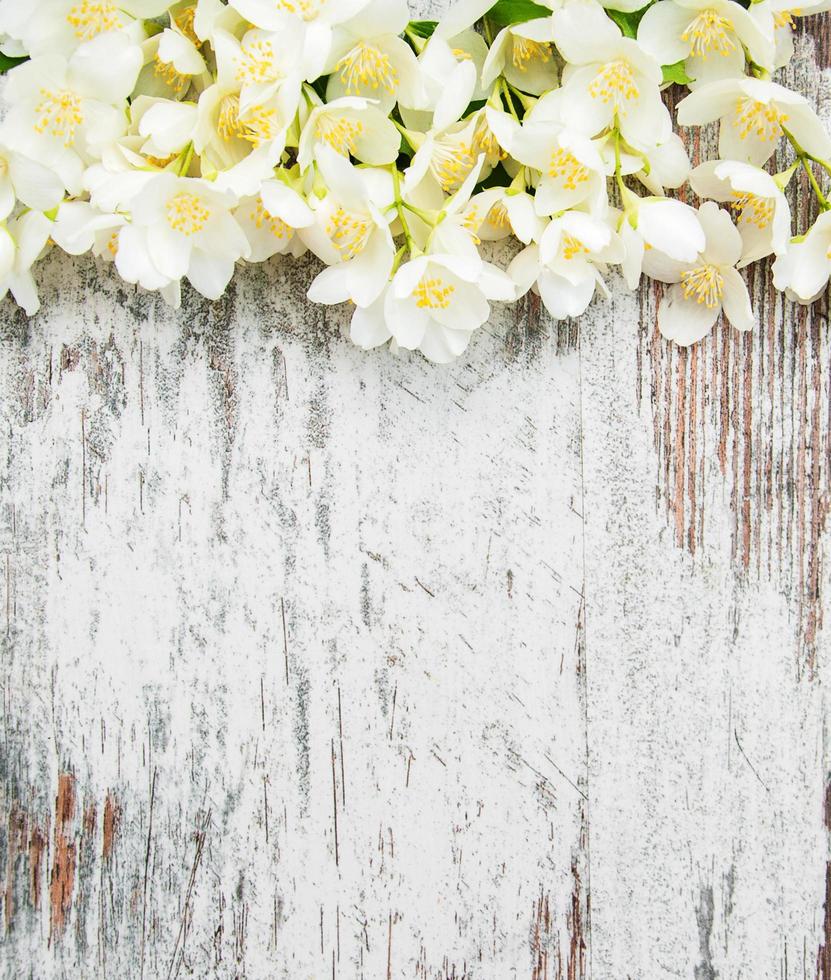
[(177, 139)]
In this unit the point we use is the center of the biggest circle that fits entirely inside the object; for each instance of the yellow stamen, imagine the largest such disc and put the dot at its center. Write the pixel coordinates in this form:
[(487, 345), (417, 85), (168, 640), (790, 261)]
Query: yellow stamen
[(752, 209), (762, 120), (184, 21), (257, 64), (484, 140), (615, 84), (90, 18), (161, 162), (498, 217), (572, 246), (565, 165), (452, 161), (228, 124), (704, 284), (167, 72), (187, 213), (365, 66), (524, 51), (348, 232), (710, 31), (785, 18), (59, 114), (339, 132), (264, 218), (261, 125), (304, 9), (432, 293)]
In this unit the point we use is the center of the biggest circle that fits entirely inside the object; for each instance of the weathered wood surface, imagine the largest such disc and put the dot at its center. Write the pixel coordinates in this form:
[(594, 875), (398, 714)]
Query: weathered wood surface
[(318, 663)]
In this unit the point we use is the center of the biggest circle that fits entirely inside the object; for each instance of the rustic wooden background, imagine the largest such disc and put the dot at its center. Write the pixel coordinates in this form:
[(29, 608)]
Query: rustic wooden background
[(318, 663)]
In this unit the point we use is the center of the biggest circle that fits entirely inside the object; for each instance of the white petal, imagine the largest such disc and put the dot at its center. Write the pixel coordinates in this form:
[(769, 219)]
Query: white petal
[(583, 33), (672, 227), (736, 301), (209, 274), (660, 30), (525, 268), (684, 320), (284, 203), (106, 68), (563, 298), (456, 97), (724, 243), (462, 14), (369, 327)]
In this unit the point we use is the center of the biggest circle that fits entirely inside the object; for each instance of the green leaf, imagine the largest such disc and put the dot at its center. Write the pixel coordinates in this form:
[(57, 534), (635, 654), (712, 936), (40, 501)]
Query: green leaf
[(675, 73), (504, 13), (628, 21), (498, 177), (422, 28), (7, 63)]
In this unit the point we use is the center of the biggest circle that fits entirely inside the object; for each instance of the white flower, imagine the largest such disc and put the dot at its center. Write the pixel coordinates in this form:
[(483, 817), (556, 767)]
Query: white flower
[(777, 19), (572, 172), (754, 114), (703, 288), (658, 224), (270, 221), (439, 63), (180, 226), (462, 15), (610, 80), (352, 127), (369, 59), (448, 151), (803, 270), (165, 126), (565, 268), (436, 302), (172, 64), (27, 236), (524, 55), (709, 36), (351, 232), (667, 165), (318, 19), (761, 211), (497, 212), (261, 66), (63, 112), (23, 178), (59, 26), (79, 227)]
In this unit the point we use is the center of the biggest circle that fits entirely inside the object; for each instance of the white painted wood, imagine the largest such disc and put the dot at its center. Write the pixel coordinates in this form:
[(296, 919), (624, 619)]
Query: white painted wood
[(539, 626)]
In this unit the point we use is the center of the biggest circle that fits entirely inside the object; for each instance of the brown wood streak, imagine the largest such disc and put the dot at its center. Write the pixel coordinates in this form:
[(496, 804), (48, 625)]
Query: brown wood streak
[(824, 952), (547, 958), (765, 397), (112, 816), (64, 860)]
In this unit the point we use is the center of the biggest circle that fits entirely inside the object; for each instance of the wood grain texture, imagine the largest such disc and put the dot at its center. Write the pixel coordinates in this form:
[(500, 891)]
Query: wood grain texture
[(318, 663)]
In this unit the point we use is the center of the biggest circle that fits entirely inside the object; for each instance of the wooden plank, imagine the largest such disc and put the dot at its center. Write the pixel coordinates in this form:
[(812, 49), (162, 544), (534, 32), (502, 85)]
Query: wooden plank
[(706, 489), (293, 652), (324, 664)]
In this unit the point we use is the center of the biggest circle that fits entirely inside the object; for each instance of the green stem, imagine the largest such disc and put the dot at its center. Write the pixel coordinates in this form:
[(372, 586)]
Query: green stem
[(400, 207), (618, 176), (184, 160), (426, 216), (526, 101), (506, 92), (805, 159)]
